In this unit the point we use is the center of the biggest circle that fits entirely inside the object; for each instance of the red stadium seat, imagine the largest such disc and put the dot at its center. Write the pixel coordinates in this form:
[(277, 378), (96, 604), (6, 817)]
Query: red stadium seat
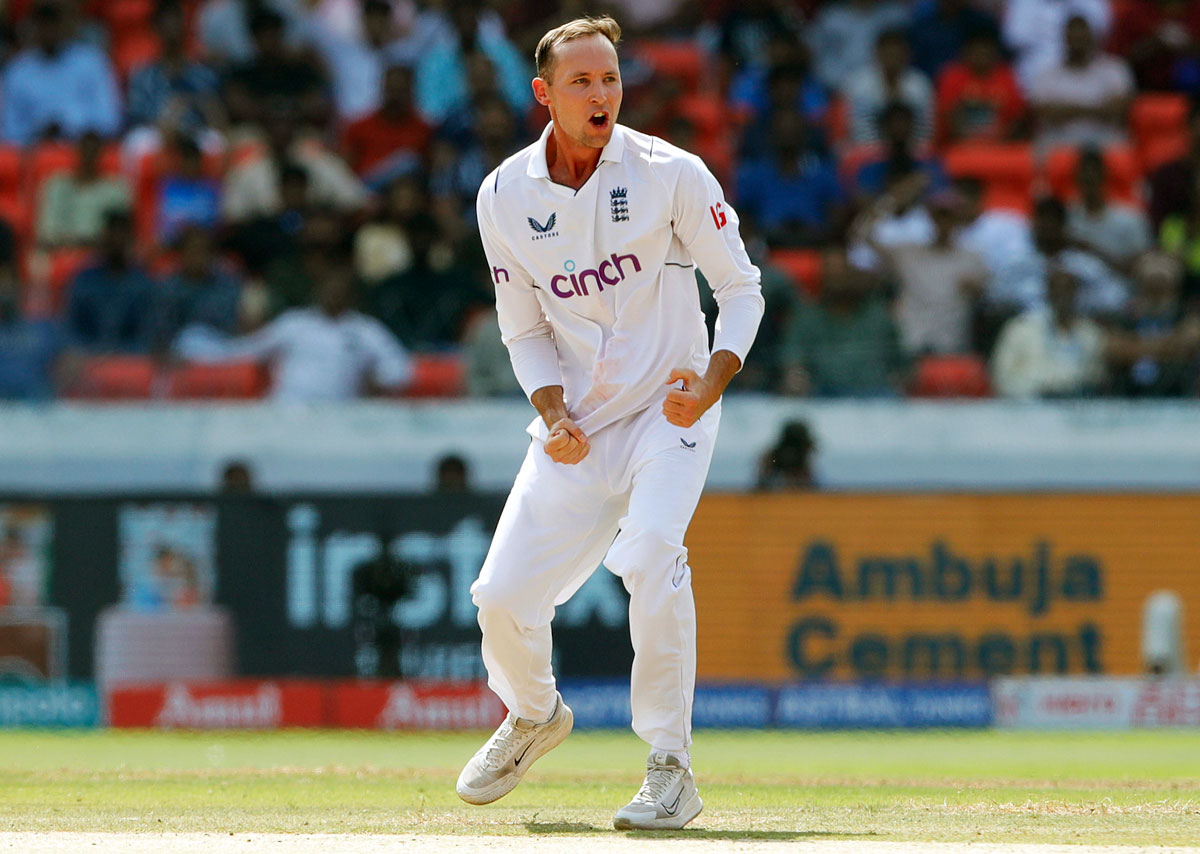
[(1006, 169), (224, 381), (112, 378), (962, 375), (804, 266), (1124, 175), (134, 48), (1154, 117), (12, 203), (437, 375)]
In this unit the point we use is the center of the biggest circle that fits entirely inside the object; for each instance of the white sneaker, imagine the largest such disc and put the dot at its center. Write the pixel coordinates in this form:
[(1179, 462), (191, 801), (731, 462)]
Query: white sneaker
[(667, 800), (500, 764)]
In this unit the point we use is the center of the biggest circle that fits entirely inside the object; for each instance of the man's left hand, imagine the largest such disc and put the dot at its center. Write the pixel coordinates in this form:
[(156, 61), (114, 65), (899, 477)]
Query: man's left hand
[(683, 407)]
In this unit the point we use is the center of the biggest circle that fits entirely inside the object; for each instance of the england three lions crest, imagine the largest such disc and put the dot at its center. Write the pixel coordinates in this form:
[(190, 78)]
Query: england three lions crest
[(619, 202)]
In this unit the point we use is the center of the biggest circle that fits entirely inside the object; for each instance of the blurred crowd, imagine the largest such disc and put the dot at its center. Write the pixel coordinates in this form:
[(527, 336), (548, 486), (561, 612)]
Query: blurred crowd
[(945, 197)]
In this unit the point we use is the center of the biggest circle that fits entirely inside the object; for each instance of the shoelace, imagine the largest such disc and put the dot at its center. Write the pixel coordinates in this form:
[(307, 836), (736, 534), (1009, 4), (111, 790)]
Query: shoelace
[(659, 778), (502, 744)]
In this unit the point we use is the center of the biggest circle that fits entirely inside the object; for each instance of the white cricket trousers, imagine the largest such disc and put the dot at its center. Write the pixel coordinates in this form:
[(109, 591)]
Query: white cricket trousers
[(627, 504)]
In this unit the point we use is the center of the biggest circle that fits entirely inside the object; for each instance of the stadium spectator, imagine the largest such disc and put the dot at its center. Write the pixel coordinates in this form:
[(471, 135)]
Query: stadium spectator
[(442, 71), (326, 351), (941, 29), (28, 347), (58, 87), (1084, 99), (224, 28), (901, 157), (277, 72), (489, 371), (1051, 350), (357, 60), (425, 305), (1033, 30), (391, 141), (901, 220), (890, 78), (174, 95), (262, 239), (792, 192), (1114, 232), (843, 35), (253, 188), (1180, 235), (1160, 357), (455, 176), (187, 194), (293, 277), (1171, 184), (779, 79), (1159, 38), (977, 95), (995, 234), (451, 475), (937, 285), (73, 206), (1020, 284), (845, 344), (381, 246), (111, 307), (788, 464), (201, 292)]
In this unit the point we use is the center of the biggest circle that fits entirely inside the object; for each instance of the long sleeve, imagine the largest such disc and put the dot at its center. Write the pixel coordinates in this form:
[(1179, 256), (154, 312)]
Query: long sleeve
[(524, 328), (707, 225)]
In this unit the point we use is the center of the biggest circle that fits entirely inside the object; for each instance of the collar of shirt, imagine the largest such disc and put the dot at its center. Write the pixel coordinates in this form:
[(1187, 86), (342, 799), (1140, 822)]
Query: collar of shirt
[(539, 168)]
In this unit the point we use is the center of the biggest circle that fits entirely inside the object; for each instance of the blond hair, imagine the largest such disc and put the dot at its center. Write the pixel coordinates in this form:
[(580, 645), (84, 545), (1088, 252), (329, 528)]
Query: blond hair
[(602, 25)]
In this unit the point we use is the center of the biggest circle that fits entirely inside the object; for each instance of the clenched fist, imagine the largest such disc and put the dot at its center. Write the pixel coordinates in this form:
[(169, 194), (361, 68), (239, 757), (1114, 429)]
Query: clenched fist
[(566, 443), (683, 407)]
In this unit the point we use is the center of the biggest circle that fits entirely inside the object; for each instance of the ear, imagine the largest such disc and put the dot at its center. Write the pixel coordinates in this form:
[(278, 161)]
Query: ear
[(540, 93)]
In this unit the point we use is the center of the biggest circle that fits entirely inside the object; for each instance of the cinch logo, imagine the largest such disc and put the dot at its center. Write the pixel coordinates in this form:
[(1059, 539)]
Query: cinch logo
[(610, 271)]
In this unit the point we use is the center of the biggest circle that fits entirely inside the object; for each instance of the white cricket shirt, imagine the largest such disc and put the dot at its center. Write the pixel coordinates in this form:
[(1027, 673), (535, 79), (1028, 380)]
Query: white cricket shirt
[(596, 288)]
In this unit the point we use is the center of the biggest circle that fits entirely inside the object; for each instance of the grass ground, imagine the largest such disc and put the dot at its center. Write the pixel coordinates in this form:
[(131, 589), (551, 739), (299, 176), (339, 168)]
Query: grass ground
[(1139, 788)]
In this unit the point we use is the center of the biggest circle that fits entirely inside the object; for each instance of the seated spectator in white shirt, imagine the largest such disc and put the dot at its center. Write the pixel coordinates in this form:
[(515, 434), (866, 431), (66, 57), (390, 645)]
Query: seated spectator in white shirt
[(996, 234), (1084, 99), (1033, 31), (73, 205), (326, 352), (937, 286), (1050, 351), (892, 77), (1020, 283), (1113, 231), (253, 188)]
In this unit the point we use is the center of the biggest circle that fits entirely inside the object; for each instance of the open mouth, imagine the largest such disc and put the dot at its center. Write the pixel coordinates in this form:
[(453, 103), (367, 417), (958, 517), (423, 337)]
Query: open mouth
[(599, 120)]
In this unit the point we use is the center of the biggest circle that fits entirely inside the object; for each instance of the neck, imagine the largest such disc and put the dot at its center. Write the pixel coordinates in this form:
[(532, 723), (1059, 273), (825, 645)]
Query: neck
[(569, 162), (1093, 202)]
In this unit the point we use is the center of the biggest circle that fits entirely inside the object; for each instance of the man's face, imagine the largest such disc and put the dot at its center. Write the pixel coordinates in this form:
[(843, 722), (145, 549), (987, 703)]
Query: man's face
[(1089, 175), (584, 92), (397, 86)]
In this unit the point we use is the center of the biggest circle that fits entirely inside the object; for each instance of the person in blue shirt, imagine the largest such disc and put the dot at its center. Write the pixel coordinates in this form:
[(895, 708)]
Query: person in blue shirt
[(174, 93), (111, 307), (29, 348), (58, 87), (900, 157), (791, 193), (940, 28)]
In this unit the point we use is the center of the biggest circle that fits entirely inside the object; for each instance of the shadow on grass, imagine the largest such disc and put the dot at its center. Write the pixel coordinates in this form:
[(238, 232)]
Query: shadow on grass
[(579, 827)]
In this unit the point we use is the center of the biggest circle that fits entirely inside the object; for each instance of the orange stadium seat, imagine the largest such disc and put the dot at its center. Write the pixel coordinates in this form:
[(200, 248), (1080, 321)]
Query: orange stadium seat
[(112, 378), (224, 381), (804, 266), (1156, 115), (963, 375), (1124, 175), (437, 375), (12, 203), (1006, 169)]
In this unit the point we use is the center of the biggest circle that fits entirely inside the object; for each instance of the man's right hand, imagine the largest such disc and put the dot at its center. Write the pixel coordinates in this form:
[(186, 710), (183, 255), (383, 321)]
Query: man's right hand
[(566, 443)]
